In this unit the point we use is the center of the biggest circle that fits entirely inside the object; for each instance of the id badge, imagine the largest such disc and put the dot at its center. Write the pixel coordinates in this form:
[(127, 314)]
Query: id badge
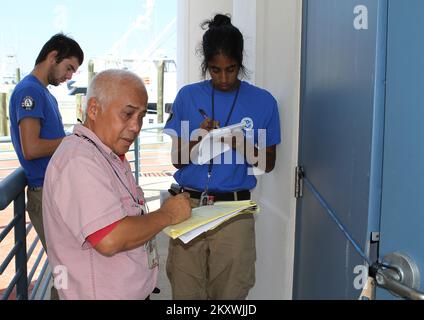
[(206, 199), (152, 253)]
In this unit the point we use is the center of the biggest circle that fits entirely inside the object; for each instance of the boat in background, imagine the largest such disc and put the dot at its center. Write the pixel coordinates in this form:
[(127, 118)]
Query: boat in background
[(71, 95)]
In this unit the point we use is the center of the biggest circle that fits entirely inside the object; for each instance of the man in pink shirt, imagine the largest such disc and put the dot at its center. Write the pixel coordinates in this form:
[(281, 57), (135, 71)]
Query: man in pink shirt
[(98, 233)]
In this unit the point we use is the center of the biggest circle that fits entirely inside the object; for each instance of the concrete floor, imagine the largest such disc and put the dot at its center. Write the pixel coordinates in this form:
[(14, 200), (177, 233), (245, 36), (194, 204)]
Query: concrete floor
[(152, 187), (163, 282)]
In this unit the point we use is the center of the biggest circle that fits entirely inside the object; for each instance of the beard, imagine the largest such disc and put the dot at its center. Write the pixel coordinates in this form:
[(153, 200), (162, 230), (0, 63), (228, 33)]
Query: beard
[(54, 82), (53, 79)]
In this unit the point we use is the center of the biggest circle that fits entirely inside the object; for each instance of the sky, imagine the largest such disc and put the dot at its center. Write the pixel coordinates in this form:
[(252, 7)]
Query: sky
[(99, 26)]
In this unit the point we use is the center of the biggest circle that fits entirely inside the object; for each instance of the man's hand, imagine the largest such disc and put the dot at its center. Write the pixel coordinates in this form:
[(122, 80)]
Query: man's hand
[(134, 231), (177, 208)]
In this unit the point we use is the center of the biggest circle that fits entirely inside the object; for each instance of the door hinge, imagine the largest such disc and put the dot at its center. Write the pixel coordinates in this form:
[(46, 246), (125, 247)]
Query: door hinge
[(298, 184), (375, 237)]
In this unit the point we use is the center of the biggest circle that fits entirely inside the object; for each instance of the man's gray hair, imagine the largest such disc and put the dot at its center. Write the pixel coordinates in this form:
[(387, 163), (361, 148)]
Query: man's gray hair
[(105, 86)]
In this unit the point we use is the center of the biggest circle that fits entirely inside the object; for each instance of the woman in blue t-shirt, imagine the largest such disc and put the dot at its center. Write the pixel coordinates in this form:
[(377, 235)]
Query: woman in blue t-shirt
[(220, 264)]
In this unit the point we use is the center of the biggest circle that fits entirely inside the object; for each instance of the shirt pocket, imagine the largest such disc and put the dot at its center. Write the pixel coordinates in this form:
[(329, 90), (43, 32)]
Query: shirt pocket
[(130, 207)]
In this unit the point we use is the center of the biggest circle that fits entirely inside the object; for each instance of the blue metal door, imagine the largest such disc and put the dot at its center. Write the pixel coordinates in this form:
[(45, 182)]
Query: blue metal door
[(340, 143), (402, 206)]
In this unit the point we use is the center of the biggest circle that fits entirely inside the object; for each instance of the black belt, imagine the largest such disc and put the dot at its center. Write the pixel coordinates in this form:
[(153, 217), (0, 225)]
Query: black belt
[(35, 188), (218, 196)]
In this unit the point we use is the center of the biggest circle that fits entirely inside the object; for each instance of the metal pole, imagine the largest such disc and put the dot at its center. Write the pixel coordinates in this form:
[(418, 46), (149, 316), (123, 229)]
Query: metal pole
[(79, 112), (21, 255), (159, 106), (3, 115), (91, 73), (159, 102), (137, 158), (18, 75)]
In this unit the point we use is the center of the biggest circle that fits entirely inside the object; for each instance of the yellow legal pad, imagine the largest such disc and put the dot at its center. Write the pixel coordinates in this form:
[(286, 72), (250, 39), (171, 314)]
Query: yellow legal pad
[(209, 217)]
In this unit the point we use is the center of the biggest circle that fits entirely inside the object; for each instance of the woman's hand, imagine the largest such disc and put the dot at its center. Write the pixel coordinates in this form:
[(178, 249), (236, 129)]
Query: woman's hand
[(209, 124)]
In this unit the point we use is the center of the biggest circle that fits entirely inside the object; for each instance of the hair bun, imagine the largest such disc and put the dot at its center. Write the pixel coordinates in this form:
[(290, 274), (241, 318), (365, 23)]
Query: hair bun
[(220, 20)]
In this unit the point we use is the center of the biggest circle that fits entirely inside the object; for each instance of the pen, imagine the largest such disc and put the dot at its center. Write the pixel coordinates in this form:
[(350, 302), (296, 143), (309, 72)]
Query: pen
[(203, 113)]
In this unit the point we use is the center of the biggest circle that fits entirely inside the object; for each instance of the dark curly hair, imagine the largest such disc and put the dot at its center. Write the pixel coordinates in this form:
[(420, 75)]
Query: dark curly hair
[(222, 37)]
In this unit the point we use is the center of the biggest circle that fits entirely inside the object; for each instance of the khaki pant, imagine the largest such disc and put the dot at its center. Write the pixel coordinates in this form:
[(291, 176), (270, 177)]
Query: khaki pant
[(217, 265), (35, 213)]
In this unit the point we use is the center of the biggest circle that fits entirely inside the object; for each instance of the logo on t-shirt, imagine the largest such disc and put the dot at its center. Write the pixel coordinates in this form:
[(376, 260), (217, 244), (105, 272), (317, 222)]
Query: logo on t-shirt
[(248, 123), (28, 103)]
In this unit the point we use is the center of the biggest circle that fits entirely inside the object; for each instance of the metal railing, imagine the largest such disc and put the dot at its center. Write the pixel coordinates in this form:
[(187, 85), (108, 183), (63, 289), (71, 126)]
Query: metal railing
[(8, 158), (12, 189), (141, 149)]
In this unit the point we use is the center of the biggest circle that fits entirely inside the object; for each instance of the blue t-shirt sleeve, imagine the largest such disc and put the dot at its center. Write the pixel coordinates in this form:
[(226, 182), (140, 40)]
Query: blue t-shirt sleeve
[(273, 130), (29, 103)]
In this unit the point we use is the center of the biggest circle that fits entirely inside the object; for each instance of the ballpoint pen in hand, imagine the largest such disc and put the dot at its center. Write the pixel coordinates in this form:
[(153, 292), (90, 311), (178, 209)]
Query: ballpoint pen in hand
[(215, 124), (203, 113)]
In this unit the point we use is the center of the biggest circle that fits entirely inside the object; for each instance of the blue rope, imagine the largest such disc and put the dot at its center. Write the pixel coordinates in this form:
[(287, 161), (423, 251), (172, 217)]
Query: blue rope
[(337, 221)]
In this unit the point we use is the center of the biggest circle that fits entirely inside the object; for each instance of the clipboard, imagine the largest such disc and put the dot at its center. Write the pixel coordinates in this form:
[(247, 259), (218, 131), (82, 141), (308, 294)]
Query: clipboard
[(207, 218), (211, 145)]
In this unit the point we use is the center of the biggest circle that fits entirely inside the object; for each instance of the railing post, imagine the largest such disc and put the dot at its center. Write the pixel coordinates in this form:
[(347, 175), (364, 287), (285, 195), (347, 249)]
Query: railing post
[(91, 72), (3, 115), (18, 75), (160, 97), (137, 158), (159, 101), (79, 111), (21, 254)]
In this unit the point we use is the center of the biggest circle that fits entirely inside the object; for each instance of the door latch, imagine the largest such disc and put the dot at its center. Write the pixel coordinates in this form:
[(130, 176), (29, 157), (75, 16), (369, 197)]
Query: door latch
[(398, 274)]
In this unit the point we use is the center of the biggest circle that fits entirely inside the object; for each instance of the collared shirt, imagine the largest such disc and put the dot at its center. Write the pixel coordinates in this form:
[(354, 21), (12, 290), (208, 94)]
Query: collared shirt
[(31, 99), (83, 194)]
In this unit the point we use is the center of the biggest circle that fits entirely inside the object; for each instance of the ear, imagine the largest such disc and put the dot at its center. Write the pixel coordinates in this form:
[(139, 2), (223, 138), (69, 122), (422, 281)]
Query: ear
[(52, 57), (92, 108)]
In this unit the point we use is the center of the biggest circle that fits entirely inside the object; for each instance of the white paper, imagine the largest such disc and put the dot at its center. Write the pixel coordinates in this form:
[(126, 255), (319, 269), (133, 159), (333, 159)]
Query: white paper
[(188, 236), (205, 218), (211, 146)]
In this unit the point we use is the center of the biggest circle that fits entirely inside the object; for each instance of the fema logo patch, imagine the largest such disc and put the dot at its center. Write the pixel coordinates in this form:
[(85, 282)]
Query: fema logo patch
[(28, 103), (248, 123)]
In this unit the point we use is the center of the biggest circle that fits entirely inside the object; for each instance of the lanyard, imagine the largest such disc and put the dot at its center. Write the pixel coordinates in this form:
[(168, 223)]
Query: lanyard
[(226, 123), (111, 165), (232, 106)]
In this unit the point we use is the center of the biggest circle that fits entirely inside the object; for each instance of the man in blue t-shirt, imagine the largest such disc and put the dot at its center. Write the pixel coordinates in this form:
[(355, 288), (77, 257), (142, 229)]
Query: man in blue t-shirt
[(35, 123)]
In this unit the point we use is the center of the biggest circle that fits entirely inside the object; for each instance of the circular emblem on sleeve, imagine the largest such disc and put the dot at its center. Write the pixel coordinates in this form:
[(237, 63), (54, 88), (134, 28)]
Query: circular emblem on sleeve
[(28, 103), (248, 123)]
